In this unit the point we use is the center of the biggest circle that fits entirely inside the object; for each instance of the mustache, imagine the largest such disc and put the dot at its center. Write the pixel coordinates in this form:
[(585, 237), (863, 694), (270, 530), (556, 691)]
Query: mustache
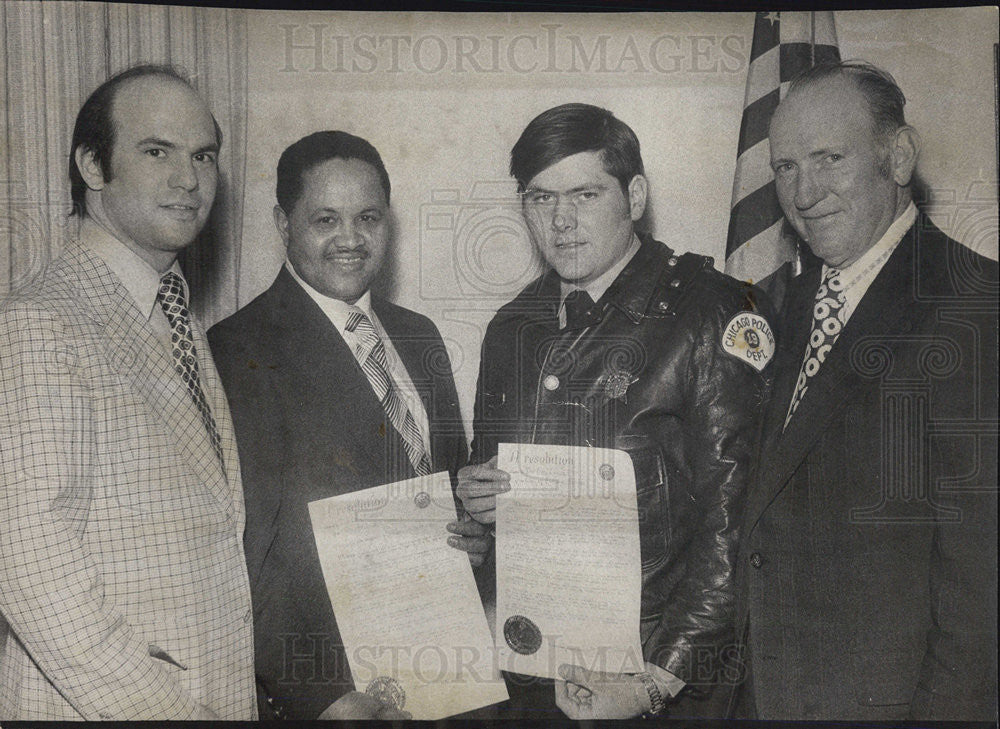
[(337, 252)]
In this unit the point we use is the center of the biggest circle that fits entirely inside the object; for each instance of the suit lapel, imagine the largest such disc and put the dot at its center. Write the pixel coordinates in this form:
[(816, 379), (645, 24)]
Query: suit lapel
[(796, 323), (796, 326), (321, 364), (884, 309), (326, 366), (216, 396), (142, 360)]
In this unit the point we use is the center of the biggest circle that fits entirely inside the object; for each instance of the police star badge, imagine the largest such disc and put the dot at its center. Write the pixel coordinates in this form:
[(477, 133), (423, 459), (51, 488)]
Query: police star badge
[(617, 382), (749, 338)]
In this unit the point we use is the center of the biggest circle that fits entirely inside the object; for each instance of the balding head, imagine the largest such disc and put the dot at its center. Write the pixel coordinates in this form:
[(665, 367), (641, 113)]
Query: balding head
[(842, 173), (155, 188), (94, 129)]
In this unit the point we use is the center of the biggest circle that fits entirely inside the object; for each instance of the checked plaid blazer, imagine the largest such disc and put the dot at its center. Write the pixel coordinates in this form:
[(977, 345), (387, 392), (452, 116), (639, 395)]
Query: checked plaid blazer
[(123, 585)]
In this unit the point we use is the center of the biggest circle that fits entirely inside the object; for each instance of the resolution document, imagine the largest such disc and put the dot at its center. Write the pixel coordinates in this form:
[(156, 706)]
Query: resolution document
[(568, 565), (406, 603)]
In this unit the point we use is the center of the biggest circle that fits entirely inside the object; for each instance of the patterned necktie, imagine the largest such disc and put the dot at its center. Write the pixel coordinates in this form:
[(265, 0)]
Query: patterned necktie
[(171, 298), (578, 303), (828, 321), (377, 371)]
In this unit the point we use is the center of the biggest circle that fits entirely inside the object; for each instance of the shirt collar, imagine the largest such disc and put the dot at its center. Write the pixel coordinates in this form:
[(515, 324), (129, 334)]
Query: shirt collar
[(141, 280), (882, 249), (336, 310), (599, 285)]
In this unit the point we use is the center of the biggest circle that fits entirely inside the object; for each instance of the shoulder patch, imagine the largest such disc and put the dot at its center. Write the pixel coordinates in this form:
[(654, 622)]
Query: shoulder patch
[(749, 338)]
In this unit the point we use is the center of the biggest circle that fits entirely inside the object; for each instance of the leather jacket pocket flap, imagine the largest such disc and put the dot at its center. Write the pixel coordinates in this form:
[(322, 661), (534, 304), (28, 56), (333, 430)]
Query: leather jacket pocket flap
[(651, 495)]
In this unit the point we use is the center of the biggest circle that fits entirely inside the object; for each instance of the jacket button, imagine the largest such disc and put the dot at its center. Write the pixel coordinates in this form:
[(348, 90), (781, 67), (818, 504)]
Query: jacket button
[(551, 382), (755, 560), (672, 261), (675, 283), (663, 305)]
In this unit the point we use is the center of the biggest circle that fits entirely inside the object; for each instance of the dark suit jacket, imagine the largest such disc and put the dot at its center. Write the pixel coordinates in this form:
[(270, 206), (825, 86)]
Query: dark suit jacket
[(308, 427), (868, 567)]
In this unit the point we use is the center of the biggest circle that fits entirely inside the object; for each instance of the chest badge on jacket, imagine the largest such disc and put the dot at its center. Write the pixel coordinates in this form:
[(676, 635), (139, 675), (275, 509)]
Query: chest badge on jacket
[(617, 382)]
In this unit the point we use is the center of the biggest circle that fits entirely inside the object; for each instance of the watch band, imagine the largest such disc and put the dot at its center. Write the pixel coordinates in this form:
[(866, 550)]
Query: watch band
[(655, 697)]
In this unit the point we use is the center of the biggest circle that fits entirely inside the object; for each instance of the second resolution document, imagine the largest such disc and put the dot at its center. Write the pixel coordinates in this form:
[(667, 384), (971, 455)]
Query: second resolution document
[(569, 576)]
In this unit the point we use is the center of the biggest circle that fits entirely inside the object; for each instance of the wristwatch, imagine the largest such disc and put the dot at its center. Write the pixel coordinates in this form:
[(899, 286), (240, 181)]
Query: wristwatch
[(655, 697)]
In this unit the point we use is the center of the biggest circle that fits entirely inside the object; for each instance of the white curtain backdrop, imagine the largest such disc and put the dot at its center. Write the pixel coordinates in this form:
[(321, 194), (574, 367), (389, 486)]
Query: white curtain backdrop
[(52, 55)]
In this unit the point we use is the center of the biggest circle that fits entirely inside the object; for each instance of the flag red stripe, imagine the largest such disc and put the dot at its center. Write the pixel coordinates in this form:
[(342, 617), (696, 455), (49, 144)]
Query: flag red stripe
[(752, 215), (756, 119)]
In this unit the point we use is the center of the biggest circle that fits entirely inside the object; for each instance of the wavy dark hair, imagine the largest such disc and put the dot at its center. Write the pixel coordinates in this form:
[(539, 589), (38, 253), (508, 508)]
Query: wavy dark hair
[(565, 130)]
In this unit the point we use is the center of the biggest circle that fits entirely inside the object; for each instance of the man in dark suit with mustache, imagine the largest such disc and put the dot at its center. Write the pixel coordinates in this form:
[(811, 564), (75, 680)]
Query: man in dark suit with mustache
[(332, 390)]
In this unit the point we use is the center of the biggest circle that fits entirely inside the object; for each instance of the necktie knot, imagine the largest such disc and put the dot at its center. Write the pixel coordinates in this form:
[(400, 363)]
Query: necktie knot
[(171, 295), (170, 278), (832, 286), (578, 305), (355, 319), (367, 339)]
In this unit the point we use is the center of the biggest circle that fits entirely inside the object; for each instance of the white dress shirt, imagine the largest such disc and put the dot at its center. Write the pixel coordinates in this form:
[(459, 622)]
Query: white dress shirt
[(141, 280), (859, 275), (337, 312)]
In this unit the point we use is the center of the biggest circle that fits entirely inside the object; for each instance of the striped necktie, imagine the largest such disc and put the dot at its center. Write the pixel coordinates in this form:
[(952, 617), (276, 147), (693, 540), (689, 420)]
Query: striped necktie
[(376, 370)]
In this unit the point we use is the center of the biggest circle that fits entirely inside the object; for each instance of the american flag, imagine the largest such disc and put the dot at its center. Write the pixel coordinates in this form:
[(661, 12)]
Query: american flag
[(761, 247)]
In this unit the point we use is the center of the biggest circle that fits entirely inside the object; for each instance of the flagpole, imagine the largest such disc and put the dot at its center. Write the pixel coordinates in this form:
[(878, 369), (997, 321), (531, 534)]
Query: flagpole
[(797, 263), (812, 38)]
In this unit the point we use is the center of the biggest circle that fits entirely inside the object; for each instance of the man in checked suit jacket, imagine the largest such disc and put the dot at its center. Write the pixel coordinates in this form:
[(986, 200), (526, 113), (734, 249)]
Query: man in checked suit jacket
[(868, 568), (309, 423), (122, 578)]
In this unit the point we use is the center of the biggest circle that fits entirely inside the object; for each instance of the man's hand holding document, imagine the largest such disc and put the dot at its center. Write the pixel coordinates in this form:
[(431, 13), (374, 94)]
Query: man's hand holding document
[(406, 604)]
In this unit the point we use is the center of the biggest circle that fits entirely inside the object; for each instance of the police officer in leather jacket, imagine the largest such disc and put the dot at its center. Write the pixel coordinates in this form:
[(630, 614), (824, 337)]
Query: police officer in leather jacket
[(624, 343)]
